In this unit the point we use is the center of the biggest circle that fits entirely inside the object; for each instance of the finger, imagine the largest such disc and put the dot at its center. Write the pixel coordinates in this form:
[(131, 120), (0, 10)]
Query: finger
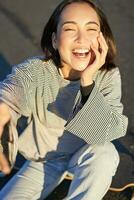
[(1, 130), (100, 54), (97, 54), (104, 49), (103, 40), (4, 165)]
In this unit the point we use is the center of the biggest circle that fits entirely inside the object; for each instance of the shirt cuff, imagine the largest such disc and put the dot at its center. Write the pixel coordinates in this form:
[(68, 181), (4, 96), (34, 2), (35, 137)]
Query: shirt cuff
[(86, 91)]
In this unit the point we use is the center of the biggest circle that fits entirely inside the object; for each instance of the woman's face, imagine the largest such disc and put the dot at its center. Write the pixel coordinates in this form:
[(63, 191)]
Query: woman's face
[(78, 27)]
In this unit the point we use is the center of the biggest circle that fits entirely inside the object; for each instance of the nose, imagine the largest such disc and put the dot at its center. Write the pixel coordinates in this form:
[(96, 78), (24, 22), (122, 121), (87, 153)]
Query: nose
[(81, 37)]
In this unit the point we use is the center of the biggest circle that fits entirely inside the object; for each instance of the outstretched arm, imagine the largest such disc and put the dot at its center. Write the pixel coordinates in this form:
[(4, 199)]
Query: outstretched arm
[(4, 118)]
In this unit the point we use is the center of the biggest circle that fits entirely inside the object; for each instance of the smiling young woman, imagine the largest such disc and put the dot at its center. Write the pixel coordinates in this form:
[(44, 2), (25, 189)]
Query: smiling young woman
[(75, 36), (71, 98)]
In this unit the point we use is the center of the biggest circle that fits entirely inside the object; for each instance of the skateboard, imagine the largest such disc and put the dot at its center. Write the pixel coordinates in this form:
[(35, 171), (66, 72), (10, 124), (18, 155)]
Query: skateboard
[(114, 188)]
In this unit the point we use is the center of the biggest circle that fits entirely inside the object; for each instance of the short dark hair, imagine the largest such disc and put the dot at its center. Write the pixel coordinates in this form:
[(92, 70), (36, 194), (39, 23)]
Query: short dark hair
[(51, 27)]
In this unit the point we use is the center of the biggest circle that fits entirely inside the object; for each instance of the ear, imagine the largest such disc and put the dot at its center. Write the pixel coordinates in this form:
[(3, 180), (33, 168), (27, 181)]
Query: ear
[(54, 43)]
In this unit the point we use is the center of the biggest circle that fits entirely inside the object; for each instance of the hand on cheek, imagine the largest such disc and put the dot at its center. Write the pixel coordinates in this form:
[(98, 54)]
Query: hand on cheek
[(98, 57)]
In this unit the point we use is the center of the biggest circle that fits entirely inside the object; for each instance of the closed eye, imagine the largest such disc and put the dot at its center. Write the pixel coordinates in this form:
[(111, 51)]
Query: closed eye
[(92, 29), (69, 29)]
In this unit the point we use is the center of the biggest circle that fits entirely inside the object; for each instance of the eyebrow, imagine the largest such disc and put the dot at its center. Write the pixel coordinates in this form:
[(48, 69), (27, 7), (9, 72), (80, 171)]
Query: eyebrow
[(72, 22)]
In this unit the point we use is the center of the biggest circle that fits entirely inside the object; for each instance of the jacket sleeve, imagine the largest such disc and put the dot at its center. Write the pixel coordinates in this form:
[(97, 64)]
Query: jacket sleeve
[(14, 92), (15, 88), (100, 120)]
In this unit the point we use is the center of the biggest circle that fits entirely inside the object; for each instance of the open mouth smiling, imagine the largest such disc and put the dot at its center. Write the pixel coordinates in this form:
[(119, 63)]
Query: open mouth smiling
[(81, 52)]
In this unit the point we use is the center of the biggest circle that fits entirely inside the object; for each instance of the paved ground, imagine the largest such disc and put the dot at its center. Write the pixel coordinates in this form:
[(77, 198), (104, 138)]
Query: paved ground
[(21, 25)]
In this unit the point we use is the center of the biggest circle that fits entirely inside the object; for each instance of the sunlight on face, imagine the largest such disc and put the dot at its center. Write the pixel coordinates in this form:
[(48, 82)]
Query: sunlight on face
[(79, 26)]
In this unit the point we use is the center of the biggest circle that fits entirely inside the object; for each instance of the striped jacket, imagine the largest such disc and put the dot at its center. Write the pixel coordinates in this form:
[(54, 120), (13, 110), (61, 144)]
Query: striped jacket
[(100, 119)]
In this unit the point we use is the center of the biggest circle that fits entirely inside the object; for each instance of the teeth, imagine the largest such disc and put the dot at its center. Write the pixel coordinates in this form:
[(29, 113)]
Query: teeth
[(80, 50)]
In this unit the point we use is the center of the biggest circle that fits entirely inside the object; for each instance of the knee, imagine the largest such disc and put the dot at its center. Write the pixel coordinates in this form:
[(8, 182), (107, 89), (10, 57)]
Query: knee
[(107, 157)]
